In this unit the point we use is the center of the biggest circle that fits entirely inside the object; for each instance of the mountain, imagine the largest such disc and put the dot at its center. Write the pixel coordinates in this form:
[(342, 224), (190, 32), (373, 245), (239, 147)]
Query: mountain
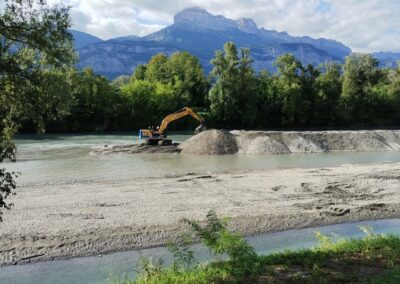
[(82, 39), (201, 33), (388, 59)]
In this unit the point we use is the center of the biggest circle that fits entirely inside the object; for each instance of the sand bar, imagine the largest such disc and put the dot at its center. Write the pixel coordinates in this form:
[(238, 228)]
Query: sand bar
[(71, 219)]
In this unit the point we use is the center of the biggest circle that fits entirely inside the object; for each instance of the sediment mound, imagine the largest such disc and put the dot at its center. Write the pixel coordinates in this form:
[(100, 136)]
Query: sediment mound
[(260, 144), (280, 142), (361, 141), (137, 149), (221, 142), (210, 142), (298, 144)]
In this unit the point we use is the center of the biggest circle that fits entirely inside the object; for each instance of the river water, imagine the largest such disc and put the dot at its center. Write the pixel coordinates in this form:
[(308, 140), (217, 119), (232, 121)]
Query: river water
[(54, 158), (101, 270)]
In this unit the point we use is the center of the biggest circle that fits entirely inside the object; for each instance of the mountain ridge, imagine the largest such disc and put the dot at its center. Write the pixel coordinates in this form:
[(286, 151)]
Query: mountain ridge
[(82, 39), (120, 56)]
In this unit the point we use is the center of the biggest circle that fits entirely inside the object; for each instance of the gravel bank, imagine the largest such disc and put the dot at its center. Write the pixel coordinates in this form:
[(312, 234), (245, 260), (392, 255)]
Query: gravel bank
[(277, 142), (52, 221)]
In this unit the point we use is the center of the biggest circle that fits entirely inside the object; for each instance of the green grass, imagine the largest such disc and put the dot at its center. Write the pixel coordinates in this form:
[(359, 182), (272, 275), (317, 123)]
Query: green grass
[(373, 259)]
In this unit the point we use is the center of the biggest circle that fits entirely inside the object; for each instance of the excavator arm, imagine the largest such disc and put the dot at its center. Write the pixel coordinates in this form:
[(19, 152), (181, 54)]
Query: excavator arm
[(158, 135), (177, 115)]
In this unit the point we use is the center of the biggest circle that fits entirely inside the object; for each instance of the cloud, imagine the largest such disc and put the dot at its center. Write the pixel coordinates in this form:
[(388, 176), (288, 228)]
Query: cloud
[(365, 26)]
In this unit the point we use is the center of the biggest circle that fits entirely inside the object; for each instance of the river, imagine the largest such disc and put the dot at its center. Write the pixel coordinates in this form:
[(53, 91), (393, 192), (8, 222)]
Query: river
[(53, 158), (101, 270), (59, 158)]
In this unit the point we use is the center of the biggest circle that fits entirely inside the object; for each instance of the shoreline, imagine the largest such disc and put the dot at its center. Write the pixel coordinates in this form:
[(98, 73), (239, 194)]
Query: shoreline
[(77, 219)]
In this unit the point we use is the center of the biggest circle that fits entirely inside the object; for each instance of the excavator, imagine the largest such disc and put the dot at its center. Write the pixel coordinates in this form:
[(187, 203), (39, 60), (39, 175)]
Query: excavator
[(157, 136)]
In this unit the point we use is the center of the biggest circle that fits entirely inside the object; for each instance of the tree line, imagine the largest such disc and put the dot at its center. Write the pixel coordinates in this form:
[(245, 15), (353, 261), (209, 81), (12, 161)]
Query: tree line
[(355, 94)]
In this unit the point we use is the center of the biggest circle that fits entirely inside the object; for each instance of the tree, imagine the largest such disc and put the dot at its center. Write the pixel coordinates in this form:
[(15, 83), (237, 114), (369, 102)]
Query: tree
[(139, 105), (329, 85), (182, 70), (187, 76), (96, 102), (35, 44), (157, 69), (288, 84), (232, 97), (140, 72), (121, 80), (361, 74), (270, 104)]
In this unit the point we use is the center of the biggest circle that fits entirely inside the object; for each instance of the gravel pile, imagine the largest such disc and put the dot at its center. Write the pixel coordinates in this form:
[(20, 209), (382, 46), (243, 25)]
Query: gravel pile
[(222, 142), (210, 142), (219, 142), (260, 144)]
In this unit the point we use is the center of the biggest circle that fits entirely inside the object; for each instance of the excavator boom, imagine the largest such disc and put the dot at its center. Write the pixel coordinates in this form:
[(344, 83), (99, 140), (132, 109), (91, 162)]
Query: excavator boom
[(177, 115), (157, 136)]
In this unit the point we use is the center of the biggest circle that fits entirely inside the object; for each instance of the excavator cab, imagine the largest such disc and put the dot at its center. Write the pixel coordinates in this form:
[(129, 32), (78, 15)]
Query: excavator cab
[(158, 136)]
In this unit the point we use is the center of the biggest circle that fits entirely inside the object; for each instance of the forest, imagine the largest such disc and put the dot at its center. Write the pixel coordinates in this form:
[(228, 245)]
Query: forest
[(356, 94)]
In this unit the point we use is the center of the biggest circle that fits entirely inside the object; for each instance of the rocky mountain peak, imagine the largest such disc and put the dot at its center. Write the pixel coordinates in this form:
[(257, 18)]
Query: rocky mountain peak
[(198, 18), (247, 25)]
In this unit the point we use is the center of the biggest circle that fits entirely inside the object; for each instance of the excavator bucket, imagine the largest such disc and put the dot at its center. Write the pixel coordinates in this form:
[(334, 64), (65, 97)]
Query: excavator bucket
[(200, 128)]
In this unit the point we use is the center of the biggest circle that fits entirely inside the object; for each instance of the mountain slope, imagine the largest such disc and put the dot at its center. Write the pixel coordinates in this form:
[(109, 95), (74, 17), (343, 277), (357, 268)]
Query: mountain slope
[(82, 39), (201, 33), (388, 59)]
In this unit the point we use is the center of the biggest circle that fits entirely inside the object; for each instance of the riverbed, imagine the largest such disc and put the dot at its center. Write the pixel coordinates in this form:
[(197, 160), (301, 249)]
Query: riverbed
[(73, 203)]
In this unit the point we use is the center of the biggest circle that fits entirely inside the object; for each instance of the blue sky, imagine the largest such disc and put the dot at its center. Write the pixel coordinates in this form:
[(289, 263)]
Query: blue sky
[(365, 26)]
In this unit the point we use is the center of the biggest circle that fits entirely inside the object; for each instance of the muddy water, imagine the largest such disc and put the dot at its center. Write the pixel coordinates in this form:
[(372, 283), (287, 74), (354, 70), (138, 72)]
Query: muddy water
[(96, 270), (66, 158)]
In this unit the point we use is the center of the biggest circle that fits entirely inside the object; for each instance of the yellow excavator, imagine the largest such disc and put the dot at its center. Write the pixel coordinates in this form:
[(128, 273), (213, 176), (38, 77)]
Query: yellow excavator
[(157, 136)]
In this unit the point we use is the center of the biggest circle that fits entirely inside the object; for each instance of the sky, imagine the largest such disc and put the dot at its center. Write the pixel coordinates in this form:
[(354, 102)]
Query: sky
[(363, 25)]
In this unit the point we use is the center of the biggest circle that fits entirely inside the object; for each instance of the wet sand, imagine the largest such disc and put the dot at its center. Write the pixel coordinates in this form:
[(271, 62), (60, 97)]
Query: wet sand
[(81, 218)]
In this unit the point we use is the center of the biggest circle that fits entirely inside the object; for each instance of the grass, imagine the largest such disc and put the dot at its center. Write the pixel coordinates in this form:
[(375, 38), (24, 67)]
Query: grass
[(373, 259)]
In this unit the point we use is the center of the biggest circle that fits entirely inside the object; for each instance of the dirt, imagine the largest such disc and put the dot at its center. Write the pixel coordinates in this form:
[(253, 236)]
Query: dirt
[(81, 218)]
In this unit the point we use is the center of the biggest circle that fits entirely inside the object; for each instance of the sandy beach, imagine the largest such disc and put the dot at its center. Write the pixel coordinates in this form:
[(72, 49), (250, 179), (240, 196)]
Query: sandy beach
[(82, 218)]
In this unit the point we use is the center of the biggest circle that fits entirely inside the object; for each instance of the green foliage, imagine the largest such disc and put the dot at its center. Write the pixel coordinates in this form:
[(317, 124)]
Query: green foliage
[(36, 48), (202, 275), (140, 73), (183, 257), (151, 267), (211, 232), (373, 259), (361, 74), (358, 94), (7, 179), (35, 53), (221, 241), (188, 78), (233, 98), (157, 69)]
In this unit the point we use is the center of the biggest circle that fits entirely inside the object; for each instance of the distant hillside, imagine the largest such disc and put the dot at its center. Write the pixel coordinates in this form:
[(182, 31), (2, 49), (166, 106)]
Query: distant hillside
[(388, 59), (201, 33), (82, 39)]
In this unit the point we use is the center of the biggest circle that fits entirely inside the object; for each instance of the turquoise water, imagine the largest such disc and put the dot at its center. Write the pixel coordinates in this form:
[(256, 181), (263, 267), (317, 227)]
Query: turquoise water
[(99, 270), (60, 158)]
